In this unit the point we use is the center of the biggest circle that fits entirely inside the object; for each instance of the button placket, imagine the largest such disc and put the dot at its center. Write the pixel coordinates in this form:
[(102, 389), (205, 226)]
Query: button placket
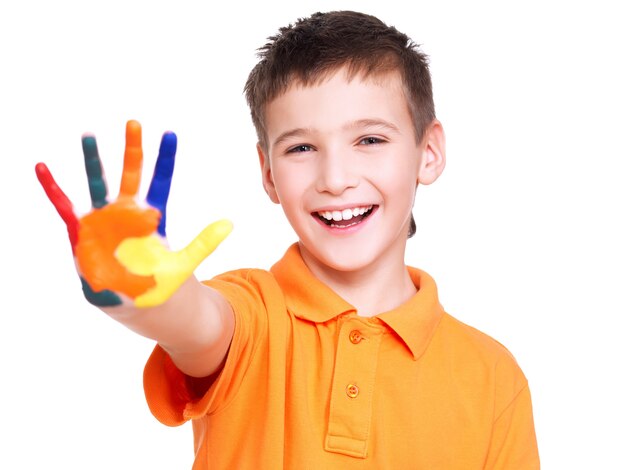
[(353, 387)]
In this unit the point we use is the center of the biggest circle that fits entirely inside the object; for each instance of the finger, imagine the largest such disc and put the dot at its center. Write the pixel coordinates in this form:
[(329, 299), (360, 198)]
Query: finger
[(168, 280), (133, 156), (203, 245), (162, 178), (59, 200), (95, 176)]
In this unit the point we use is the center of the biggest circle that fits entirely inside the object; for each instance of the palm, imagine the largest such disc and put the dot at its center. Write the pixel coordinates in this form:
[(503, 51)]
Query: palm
[(101, 232)]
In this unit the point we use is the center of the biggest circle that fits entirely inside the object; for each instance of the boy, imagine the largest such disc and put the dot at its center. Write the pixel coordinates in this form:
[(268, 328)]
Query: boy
[(340, 356)]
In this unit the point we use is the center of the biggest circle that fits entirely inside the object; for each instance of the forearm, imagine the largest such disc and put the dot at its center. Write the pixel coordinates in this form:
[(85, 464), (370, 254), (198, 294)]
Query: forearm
[(195, 327)]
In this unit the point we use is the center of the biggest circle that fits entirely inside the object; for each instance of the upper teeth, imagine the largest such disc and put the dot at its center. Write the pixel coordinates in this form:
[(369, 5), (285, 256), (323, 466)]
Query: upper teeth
[(345, 214)]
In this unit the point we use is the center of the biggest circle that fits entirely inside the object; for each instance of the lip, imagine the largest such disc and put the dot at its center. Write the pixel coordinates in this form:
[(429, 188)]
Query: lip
[(343, 207), (347, 229)]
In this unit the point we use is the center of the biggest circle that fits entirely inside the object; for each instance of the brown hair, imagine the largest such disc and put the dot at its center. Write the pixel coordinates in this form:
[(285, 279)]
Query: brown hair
[(314, 47)]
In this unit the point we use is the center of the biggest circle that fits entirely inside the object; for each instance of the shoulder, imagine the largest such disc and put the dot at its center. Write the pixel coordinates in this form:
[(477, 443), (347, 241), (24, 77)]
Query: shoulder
[(247, 279), (249, 290), (242, 274), (469, 340), (478, 358)]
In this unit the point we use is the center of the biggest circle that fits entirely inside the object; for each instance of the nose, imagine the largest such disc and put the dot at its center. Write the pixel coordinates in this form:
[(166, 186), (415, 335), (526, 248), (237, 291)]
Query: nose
[(336, 172)]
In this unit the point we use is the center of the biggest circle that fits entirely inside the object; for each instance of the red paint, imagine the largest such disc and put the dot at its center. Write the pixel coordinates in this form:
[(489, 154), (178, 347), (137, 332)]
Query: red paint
[(60, 201)]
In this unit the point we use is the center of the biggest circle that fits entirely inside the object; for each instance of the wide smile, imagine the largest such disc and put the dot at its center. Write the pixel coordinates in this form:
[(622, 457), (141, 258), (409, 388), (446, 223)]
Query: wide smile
[(346, 217)]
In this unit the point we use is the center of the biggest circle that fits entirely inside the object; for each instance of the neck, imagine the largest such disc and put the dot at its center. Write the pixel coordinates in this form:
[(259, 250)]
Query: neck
[(371, 289)]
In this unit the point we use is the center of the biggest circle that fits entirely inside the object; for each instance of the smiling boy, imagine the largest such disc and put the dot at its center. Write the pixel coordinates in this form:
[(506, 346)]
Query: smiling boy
[(340, 356), (343, 161)]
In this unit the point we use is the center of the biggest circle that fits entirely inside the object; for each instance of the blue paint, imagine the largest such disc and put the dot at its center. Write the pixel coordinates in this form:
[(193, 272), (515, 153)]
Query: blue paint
[(162, 178)]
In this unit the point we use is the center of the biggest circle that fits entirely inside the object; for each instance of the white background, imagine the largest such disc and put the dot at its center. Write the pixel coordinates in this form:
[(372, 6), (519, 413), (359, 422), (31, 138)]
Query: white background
[(524, 232)]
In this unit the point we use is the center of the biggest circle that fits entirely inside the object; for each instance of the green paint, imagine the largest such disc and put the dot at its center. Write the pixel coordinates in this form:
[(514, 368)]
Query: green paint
[(95, 178), (106, 298)]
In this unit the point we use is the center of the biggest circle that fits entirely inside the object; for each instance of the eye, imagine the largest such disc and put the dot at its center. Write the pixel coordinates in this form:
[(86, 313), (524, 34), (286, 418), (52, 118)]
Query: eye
[(371, 140), (300, 148)]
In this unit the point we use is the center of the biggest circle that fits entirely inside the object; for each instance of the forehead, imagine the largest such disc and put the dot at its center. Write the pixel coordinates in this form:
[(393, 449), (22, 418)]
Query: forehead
[(388, 78), (337, 99)]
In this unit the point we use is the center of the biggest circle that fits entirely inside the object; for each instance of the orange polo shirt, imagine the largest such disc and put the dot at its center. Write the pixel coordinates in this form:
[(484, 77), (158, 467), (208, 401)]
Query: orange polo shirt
[(308, 384)]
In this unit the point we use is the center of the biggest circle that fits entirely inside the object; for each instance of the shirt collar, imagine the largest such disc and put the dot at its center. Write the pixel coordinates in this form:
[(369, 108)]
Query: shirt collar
[(416, 320), (306, 296), (309, 299)]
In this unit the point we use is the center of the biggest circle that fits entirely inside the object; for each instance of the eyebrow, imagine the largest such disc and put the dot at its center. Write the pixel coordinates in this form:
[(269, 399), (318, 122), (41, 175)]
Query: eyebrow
[(376, 123), (291, 133)]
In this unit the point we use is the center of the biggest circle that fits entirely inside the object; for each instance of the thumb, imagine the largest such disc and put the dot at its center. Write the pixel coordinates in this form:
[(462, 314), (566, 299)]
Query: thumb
[(204, 244)]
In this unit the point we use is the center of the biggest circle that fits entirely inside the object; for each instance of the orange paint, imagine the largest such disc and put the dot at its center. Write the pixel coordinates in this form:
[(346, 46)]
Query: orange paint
[(133, 160), (97, 244)]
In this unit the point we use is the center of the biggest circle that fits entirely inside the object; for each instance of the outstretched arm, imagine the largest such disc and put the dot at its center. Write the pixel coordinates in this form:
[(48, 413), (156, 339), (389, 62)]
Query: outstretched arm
[(128, 271)]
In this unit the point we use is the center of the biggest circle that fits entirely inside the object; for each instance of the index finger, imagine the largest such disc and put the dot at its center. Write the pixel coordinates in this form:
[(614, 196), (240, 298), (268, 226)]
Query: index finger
[(133, 158)]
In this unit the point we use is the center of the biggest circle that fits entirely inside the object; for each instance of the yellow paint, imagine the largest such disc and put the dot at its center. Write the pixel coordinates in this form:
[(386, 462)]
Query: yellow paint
[(148, 256), (100, 233), (141, 256)]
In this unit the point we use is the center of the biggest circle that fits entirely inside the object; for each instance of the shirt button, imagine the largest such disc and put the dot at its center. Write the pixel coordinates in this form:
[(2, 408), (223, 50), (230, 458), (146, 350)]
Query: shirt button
[(352, 391), (355, 337)]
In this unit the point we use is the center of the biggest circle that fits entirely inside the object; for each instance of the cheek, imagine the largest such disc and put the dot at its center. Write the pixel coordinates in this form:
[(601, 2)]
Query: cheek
[(289, 186), (399, 193), (397, 177), (291, 178)]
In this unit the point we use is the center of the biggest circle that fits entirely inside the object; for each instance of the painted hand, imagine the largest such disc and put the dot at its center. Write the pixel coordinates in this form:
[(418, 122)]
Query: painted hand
[(119, 247)]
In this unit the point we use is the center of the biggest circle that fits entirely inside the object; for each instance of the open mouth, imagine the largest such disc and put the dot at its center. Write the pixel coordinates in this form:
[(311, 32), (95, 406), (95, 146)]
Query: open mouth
[(345, 218)]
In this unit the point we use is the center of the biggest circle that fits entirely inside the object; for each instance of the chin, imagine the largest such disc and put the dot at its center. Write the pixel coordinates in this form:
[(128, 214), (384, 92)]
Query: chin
[(349, 258)]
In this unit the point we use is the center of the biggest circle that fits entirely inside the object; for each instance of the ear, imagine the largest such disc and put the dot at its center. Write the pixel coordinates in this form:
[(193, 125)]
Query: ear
[(433, 148), (266, 175)]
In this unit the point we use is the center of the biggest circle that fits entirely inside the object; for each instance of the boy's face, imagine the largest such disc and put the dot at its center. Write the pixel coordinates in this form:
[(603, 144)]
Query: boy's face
[(343, 162)]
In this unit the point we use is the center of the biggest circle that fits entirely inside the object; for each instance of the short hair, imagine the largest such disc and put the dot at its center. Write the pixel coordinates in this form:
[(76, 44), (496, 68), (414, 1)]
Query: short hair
[(312, 48)]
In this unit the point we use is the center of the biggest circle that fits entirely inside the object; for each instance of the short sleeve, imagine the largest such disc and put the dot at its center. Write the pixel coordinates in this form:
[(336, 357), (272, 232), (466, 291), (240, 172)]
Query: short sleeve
[(513, 440), (166, 388)]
